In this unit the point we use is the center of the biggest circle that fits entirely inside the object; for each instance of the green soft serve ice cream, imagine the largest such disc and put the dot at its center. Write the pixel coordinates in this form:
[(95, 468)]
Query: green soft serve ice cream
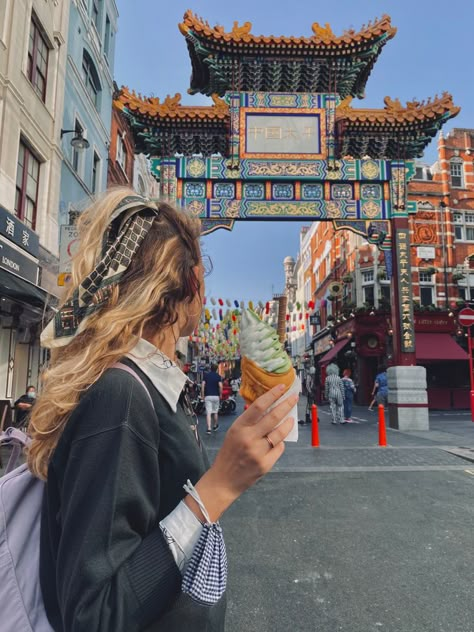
[(260, 343)]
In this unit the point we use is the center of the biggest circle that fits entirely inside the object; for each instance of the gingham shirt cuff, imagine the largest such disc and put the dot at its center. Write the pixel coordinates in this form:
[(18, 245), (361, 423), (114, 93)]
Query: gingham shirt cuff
[(182, 531)]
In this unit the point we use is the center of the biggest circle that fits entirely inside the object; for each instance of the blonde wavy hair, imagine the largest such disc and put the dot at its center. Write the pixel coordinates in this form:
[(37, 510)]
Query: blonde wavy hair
[(159, 282)]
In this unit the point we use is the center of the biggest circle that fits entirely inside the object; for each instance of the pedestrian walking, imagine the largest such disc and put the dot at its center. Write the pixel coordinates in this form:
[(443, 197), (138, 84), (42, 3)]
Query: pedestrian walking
[(381, 386), (374, 398), (349, 390), (334, 392), (235, 385), (23, 407), (129, 533), (211, 392)]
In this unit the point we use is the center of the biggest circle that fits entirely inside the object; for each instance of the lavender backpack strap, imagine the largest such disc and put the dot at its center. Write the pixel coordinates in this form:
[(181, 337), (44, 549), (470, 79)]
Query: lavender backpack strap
[(124, 367)]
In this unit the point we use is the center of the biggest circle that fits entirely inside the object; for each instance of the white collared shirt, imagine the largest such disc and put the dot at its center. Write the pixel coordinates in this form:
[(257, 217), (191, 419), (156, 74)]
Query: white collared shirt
[(166, 376)]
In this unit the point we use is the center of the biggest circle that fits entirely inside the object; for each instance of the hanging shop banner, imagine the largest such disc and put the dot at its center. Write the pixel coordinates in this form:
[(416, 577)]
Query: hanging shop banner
[(402, 244), (13, 260), (16, 231)]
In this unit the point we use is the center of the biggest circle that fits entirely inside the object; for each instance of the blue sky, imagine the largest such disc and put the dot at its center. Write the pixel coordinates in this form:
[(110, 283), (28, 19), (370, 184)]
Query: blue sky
[(431, 52)]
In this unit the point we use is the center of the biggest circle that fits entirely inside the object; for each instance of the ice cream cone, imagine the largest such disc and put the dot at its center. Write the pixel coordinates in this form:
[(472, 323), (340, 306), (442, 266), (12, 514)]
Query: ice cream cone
[(257, 381)]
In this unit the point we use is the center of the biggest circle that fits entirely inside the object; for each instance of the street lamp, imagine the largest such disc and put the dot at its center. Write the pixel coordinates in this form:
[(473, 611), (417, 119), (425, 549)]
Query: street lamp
[(78, 142)]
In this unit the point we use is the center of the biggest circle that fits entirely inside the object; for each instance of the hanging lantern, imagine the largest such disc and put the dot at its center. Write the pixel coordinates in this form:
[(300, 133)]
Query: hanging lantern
[(301, 316), (287, 317), (213, 300), (236, 303), (307, 315), (227, 302), (251, 305), (221, 302), (302, 327), (267, 307)]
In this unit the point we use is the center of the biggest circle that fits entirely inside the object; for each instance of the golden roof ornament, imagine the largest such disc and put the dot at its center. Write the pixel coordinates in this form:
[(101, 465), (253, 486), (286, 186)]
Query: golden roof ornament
[(323, 32), (240, 31)]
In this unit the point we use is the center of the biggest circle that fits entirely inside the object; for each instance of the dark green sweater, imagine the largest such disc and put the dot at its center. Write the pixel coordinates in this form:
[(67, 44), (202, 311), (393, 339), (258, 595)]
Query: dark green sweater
[(118, 469)]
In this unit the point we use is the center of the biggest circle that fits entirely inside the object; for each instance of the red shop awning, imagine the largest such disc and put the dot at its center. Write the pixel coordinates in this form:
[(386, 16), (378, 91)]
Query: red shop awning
[(332, 353), (433, 347)]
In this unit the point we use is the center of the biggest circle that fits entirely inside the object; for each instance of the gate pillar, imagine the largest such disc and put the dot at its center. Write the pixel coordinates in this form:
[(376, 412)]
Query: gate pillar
[(407, 394)]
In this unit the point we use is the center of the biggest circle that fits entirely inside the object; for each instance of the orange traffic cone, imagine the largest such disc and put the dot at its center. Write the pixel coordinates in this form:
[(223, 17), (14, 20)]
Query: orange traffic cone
[(314, 427), (382, 430)]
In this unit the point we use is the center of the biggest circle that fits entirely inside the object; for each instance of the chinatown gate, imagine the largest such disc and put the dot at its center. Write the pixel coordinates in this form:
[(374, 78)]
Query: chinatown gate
[(282, 141)]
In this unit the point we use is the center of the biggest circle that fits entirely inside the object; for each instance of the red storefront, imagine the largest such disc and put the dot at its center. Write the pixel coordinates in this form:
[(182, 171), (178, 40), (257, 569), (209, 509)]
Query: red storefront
[(364, 342)]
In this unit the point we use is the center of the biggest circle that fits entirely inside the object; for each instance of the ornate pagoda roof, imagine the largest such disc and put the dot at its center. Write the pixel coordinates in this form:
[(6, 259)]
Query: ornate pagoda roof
[(167, 127), (395, 131), (163, 128), (240, 61)]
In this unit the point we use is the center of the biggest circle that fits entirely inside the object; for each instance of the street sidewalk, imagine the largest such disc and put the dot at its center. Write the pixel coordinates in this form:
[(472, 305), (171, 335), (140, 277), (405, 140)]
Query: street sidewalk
[(355, 446)]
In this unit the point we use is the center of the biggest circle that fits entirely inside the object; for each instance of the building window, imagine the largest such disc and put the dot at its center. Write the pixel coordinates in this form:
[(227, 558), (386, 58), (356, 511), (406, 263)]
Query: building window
[(38, 55), (141, 186), (385, 292), (95, 173), (96, 14), (426, 288), (464, 226), (27, 183), (368, 276), (418, 173), (90, 78), (457, 173), (107, 37), (368, 286), (121, 153)]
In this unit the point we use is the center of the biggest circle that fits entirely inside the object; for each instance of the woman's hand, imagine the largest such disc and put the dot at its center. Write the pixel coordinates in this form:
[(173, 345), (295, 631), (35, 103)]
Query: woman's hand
[(246, 454)]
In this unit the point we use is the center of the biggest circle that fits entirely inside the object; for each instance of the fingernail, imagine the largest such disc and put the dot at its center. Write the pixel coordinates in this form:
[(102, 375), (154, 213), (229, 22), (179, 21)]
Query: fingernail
[(281, 387)]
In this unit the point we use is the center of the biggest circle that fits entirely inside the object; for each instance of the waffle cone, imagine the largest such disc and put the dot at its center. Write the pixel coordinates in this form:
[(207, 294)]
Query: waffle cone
[(257, 381)]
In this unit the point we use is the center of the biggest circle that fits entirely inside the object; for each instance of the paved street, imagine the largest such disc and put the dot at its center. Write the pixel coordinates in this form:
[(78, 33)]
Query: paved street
[(356, 538), (351, 537)]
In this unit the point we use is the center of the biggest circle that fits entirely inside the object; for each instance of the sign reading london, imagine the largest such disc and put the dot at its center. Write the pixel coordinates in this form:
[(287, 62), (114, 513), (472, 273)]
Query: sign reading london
[(287, 134)]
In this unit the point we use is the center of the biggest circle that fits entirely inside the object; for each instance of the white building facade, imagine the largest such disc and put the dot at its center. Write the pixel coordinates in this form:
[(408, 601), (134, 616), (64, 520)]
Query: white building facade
[(33, 55)]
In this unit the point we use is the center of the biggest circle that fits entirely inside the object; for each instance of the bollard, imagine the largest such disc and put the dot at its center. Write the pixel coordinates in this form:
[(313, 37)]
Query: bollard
[(314, 427), (382, 431)]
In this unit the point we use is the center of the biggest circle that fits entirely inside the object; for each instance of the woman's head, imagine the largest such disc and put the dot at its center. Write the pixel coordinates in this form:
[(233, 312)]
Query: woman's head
[(160, 289), (347, 373)]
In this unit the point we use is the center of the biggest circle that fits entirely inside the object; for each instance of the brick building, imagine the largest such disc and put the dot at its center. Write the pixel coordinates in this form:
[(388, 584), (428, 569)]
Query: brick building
[(347, 278), (120, 169)]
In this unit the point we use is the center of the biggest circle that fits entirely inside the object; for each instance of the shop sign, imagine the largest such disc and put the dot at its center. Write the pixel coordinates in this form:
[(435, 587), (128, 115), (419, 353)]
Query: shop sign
[(436, 323), (402, 245), (12, 260), (322, 345), (425, 252), (314, 320), (14, 230), (68, 243)]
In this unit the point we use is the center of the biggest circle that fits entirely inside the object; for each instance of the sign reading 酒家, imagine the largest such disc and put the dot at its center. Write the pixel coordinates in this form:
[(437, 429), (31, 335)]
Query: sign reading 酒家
[(402, 244), (16, 231)]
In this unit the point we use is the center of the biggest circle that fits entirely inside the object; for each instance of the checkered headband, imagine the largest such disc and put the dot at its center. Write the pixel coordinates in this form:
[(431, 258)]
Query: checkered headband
[(129, 225)]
